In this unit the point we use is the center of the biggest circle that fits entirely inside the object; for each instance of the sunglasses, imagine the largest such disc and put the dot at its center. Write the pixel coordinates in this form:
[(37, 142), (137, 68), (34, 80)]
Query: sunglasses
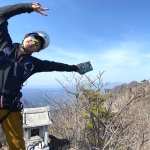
[(37, 43)]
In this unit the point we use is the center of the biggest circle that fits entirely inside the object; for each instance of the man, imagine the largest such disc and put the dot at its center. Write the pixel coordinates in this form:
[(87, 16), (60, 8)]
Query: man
[(16, 66)]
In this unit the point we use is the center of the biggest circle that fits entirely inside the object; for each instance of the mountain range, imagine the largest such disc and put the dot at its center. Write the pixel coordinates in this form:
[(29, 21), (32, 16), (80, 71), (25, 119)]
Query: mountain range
[(37, 96)]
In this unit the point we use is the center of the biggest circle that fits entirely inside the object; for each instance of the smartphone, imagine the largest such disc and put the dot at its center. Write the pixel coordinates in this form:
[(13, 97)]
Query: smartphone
[(85, 67)]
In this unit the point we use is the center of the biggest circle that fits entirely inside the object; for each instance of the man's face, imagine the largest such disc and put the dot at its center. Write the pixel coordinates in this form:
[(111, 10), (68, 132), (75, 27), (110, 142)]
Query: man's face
[(32, 43)]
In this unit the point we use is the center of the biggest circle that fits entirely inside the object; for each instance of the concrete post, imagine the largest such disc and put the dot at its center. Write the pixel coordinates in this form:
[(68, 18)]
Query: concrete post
[(46, 139)]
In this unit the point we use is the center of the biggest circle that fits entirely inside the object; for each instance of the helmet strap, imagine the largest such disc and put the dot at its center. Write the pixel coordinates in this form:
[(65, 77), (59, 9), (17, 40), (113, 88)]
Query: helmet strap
[(26, 51)]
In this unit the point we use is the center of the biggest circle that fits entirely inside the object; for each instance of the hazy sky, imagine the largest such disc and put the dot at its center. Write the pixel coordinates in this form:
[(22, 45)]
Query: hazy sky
[(113, 34)]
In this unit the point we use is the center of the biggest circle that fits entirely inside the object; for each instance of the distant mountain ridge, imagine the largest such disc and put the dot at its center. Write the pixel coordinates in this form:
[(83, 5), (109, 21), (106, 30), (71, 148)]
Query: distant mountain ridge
[(123, 87), (34, 96)]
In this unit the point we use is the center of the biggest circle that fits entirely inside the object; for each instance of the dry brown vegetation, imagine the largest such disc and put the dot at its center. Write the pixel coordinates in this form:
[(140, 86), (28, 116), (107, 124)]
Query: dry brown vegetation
[(94, 118), (128, 127)]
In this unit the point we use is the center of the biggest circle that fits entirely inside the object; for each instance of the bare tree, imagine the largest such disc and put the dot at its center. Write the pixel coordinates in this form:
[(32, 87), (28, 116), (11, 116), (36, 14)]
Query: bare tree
[(93, 119)]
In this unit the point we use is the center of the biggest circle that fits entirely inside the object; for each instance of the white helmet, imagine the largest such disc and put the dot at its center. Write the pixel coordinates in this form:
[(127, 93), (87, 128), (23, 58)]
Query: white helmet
[(44, 36)]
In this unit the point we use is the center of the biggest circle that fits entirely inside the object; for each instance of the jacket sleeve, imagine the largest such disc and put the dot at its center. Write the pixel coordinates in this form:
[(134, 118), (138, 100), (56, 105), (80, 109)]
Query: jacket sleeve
[(7, 12), (47, 66)]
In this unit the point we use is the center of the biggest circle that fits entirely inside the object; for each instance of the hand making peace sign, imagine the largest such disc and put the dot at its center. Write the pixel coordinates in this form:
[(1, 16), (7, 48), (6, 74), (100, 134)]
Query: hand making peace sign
[(37, 7)]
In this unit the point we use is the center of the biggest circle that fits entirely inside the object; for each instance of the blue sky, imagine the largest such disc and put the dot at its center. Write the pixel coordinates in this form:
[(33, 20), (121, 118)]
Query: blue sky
[(113, 34)]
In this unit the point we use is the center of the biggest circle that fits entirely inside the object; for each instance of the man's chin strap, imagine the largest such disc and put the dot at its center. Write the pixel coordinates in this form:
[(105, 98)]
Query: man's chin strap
[(27, 51)]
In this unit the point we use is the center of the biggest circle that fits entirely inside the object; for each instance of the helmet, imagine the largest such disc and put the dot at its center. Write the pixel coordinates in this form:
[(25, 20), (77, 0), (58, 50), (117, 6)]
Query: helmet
[(44, 36)]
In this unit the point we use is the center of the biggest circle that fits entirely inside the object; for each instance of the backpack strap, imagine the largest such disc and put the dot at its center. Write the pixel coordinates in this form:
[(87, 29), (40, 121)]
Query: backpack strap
[(4, 54), (27, 67), (8, 50), (15, 104), (25, 61)]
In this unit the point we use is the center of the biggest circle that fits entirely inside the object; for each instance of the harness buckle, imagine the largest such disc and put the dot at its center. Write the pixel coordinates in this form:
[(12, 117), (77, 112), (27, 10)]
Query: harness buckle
[(1, 101), (16, 105)]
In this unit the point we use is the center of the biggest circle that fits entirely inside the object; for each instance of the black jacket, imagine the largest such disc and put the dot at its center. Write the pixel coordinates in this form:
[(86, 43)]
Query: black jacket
[(8, 81)]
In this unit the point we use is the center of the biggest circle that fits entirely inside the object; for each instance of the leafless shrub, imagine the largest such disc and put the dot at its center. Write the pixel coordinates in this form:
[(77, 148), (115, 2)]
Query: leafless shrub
[(124, 124)]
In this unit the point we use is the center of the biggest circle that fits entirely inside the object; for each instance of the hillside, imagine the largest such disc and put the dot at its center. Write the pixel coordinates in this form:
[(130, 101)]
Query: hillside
[(136, 96), (119, 117)]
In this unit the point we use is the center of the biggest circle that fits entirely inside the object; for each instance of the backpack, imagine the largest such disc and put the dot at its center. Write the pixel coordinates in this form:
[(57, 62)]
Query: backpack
[(26, 63)]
